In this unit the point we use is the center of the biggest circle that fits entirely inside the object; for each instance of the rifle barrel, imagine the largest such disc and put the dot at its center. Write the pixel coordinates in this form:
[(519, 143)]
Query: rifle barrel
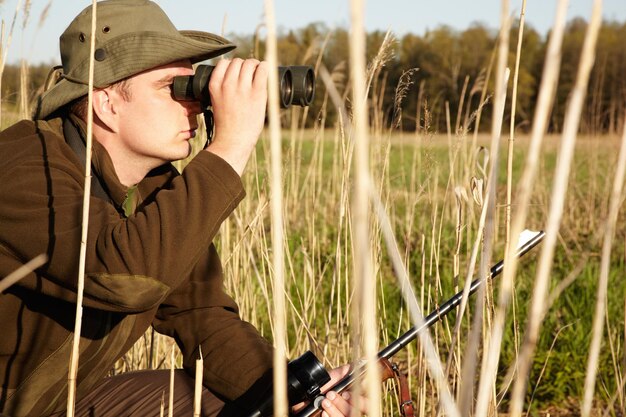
[(445, 308), (412, 333)]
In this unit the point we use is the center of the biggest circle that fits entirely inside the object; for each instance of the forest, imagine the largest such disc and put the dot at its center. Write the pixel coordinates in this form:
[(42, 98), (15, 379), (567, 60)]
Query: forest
[(445, 70)]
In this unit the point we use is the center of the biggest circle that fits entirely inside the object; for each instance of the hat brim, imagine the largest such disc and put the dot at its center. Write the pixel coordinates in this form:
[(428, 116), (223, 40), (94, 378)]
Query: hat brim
[(132, 54)]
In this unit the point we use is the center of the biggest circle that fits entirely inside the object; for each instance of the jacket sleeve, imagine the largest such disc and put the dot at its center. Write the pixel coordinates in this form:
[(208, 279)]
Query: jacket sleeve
[(132, 263), (200, 314)]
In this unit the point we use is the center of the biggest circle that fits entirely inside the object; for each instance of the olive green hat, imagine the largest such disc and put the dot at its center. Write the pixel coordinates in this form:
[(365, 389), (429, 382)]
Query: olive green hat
[(131, 36)]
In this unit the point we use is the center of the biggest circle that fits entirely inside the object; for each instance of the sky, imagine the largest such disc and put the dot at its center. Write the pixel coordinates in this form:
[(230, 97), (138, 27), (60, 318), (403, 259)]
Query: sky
[(39, 43)]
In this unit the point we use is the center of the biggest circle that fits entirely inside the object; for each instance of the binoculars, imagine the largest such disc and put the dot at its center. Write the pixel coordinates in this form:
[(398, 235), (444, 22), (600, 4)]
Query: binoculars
[(305, 378), (296, 85)]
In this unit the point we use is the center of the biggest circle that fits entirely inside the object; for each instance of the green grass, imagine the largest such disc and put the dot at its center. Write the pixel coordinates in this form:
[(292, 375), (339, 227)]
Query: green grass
[(422, 207)]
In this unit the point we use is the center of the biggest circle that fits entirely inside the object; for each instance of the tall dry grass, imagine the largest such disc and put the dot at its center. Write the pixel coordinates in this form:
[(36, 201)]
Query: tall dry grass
[(428, 208), (281, 403), (25, 96), (82, 259), (5, 45)]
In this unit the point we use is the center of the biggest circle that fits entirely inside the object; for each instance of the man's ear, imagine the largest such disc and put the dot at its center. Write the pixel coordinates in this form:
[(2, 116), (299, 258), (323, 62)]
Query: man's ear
[(104, 109)]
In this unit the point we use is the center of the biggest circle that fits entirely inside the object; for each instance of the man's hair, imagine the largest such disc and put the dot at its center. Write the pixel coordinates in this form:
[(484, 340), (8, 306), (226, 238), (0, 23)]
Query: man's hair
[(79, 106)]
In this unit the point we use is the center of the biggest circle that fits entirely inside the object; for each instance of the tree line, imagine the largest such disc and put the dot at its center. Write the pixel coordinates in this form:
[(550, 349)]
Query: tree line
[(438, 80)]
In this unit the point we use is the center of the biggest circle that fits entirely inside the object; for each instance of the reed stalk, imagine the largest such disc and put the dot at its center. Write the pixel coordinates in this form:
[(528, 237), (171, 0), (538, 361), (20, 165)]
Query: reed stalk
[(4, 47), (457, 127), (605, 266), (22, 271), (485, 389), (483, 97), (570, 129), (488, 373), (197, 392), (546, 96), (74, 358), (469, 369), (413, 306), (276, 204), (364, 310), (170, 408), (24, 110), (509, 164), (509, 176)]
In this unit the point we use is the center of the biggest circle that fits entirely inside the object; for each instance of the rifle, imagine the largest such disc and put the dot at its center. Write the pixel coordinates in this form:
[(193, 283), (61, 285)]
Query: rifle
[(317, 377)]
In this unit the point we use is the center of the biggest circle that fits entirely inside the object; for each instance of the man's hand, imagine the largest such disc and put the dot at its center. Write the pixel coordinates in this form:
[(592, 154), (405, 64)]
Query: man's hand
[(336, 405), (239, 95)]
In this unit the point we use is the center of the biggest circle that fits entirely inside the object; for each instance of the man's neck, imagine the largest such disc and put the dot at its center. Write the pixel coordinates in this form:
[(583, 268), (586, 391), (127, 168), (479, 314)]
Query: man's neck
[(129, 169)]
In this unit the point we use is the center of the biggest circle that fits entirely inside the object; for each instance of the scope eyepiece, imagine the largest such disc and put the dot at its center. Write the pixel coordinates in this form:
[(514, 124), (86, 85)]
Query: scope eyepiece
[(296, 85)]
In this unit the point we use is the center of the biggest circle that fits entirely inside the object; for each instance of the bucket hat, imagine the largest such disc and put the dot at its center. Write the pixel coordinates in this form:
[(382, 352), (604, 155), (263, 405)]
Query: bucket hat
[(132, 36)]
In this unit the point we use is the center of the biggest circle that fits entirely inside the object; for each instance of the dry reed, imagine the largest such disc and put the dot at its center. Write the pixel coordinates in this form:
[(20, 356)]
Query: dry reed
[(489, 366), (413, 306), (523, 196), (509, 165), (74, 358), (197, 393), (559, 189), (276, 203), (22, 271), (599, 315), (170, 408), (488, 371), (364, 326), (5, 45)]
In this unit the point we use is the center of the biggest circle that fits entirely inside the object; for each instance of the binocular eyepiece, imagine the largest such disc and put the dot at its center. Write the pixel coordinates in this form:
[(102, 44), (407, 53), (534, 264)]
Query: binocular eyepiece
[(305, 378), (296, 85)]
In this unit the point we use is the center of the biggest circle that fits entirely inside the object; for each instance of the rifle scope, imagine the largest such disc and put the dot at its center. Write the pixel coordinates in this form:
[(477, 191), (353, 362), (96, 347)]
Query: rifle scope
[(296, 85)]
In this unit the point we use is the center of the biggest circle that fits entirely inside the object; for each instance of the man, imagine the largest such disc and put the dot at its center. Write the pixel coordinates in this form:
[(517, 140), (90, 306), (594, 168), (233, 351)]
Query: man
[(150, 260)]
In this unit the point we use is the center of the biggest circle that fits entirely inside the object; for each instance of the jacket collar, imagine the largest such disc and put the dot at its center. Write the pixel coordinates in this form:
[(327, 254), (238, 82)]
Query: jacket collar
[(126, 199), (103, 167)]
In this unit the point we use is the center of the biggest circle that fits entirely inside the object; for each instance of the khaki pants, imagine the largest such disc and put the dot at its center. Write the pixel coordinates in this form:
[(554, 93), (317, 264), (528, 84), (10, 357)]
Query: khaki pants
[(139, 394)]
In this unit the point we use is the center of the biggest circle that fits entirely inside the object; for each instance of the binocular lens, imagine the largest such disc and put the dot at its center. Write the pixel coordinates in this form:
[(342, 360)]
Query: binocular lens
[(303, 85), (296, 84)]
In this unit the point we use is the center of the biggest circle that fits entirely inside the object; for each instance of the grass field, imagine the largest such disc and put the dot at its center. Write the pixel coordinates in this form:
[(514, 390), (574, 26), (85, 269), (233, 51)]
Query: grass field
[(413, 178), (435, 218)]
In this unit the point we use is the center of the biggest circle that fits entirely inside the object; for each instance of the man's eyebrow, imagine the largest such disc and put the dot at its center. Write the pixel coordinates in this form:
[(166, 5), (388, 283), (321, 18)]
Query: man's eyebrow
[(167, 79)]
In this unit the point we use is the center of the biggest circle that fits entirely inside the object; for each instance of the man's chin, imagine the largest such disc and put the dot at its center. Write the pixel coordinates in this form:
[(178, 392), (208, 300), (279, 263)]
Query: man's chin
[(182, 154)]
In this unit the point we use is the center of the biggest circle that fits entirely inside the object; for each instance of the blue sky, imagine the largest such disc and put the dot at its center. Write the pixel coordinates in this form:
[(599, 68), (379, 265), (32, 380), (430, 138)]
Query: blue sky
[(243, 16)]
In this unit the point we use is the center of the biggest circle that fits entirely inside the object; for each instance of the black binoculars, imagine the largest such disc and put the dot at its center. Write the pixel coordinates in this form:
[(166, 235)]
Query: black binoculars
[(296, 85), (305, 378)]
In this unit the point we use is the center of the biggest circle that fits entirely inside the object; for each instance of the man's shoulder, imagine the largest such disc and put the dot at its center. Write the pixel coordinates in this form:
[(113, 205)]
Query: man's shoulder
[(28, 139), (26, 128)]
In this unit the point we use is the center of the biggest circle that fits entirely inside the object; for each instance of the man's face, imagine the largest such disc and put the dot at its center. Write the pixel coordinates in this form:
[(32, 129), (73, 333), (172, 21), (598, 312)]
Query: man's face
[(154, 128)]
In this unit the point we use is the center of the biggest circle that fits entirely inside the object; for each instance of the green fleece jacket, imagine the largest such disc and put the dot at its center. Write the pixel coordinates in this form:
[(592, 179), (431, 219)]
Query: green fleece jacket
[(155, 267)]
